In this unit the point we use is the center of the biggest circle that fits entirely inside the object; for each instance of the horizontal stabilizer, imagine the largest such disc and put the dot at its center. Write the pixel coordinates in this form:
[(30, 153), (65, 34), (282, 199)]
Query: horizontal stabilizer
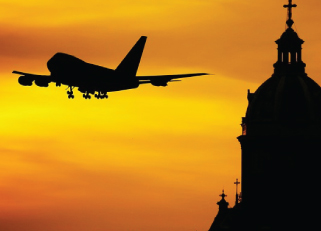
[(162, 80), (170, 76)]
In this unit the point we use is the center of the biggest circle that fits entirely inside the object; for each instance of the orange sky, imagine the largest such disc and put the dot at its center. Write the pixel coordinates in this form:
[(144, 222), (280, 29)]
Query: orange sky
[(145, 159)]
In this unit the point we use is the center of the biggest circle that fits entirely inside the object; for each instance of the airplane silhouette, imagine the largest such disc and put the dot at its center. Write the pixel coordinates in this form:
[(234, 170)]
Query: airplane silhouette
[(89, 78)]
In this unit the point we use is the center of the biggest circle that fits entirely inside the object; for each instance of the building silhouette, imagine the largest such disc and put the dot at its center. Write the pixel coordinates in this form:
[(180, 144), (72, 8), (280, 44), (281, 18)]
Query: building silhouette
[(281, 144)]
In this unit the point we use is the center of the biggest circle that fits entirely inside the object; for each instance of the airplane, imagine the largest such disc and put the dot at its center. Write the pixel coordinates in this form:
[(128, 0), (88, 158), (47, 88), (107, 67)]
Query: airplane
[(93, 79)]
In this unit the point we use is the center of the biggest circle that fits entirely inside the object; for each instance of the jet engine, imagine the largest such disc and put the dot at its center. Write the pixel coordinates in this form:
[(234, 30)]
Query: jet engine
[(159, 82), (25, 81), (41, 83)]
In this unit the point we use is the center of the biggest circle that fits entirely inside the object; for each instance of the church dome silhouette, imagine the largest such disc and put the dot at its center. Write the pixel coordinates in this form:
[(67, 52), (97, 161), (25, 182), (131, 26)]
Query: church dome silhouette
[(288, 97), (280, 148), (285, 99)]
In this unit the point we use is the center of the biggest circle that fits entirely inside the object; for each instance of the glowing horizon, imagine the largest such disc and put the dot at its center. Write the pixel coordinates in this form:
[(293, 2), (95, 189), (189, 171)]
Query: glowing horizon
[(151, 158)]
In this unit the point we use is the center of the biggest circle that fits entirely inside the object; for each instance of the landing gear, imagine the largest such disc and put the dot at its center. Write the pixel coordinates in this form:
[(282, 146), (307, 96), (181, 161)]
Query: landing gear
[(86, 96), (70, 93), (101, 95), (105, 95)]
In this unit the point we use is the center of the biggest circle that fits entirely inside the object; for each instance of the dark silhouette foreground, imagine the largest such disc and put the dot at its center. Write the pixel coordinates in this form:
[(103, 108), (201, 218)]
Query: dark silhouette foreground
[(89, 78), (281, 145)]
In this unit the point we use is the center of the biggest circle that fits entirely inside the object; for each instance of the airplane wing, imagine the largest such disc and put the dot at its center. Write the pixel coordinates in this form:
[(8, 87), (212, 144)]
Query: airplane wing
[(162, 80), (26, 79)]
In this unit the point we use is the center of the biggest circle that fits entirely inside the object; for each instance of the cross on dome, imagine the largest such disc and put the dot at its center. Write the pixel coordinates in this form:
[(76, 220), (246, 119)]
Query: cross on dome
[(290, 22)]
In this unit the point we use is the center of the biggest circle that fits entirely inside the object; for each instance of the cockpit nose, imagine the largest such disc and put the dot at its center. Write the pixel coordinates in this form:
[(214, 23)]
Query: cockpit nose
[(64, 64), (53, 63)]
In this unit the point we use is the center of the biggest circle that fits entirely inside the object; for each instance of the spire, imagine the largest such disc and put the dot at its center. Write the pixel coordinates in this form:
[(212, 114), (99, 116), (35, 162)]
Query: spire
[(223, 195), (222, 204), (290, 22), (237, 194)]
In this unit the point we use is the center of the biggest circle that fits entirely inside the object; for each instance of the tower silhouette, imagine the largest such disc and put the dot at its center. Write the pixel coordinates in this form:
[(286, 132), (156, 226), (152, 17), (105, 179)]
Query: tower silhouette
[(281, 144)]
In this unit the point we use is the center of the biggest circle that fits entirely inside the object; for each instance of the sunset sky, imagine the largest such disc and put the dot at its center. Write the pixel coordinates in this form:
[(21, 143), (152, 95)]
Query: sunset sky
[(148, 159)]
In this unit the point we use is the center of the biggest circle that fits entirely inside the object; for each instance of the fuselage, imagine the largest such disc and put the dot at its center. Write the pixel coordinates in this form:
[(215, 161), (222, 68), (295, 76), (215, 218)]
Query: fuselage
[(70, 70)]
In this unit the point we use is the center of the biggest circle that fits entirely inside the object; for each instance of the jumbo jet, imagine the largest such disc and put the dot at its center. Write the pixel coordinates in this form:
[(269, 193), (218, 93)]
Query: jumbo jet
[(93, 79)]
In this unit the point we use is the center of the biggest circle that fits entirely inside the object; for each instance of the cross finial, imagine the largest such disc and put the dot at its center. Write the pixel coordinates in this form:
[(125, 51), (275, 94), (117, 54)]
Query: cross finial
[(223, 195), (236, 195), (290, 22), (237, 183)]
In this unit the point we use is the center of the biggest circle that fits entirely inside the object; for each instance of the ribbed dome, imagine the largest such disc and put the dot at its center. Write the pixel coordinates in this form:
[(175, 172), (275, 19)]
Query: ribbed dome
[(291, 99)]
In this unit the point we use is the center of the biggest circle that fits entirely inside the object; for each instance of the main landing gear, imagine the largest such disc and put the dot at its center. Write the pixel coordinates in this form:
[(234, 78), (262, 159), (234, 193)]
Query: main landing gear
[(101, 95), (70, 93), (86, 96)]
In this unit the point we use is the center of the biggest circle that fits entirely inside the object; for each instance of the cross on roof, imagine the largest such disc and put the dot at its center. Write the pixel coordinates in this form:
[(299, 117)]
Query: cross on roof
[(290, 6), (237, 183), (223, 195)]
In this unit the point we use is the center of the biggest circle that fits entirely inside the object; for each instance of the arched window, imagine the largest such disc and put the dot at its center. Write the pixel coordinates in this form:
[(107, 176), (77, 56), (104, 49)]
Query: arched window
[(289, 57)]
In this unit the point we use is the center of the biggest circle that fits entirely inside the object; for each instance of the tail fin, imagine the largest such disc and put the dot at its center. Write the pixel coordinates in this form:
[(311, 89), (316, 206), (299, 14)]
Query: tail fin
[(128, 67)]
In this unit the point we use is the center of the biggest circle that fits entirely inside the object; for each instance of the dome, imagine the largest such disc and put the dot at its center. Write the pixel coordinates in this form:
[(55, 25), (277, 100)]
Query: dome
[(289, 102), (292, 99)]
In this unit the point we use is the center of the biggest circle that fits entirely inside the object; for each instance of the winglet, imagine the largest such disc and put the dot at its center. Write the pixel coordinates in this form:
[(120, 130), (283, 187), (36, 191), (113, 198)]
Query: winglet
[(128, 67)]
